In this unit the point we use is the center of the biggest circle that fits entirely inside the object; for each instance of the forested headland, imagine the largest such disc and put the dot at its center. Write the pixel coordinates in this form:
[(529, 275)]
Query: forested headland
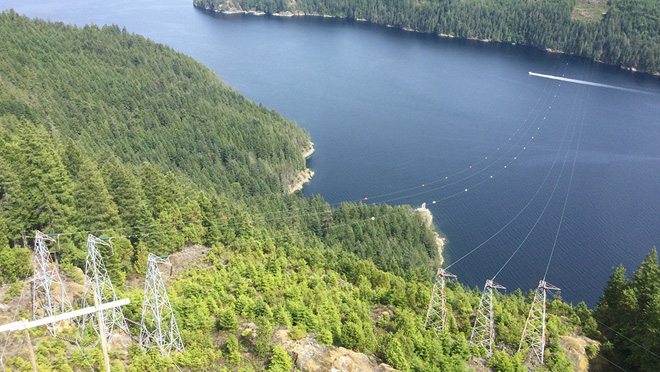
[(620, 32), (106, 132)]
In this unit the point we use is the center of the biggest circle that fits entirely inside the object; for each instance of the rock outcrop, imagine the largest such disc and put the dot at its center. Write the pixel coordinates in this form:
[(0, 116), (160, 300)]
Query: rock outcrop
[(575, 351), (305, 175), (309, 356)]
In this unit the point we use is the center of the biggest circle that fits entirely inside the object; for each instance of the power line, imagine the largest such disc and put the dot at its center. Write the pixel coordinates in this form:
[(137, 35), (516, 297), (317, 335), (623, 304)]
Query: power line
[(568, 190), (529, 116), (538, 190), (554, 189)]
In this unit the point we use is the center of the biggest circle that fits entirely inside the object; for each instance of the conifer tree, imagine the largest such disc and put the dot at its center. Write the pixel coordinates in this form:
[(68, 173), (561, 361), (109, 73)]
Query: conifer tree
[(234, 355), (154, 188), (612, 294), (72, 158), (193, 231), (646, 280), (228, 320), (44, 183), (395, 356), (210, 220), (11, 206), (264, 334), (140, 257), (280, 361), (128, 197), (94, 206)]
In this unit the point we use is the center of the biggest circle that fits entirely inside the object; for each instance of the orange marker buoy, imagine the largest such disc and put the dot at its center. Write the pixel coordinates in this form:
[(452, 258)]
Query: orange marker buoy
[(365, 198), (470, 167), (446, 177), (422, 185)]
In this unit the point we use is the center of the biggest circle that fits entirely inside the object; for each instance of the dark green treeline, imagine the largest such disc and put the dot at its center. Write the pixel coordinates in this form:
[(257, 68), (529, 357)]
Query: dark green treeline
[(628, 34)]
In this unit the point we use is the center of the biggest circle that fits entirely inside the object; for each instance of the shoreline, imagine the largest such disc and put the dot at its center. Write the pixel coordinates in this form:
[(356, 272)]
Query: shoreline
[(300, 13), (428, 218), (305, 175)]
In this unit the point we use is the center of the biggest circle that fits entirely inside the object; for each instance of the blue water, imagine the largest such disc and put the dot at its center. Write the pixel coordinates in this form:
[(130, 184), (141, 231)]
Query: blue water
[(390, 110)]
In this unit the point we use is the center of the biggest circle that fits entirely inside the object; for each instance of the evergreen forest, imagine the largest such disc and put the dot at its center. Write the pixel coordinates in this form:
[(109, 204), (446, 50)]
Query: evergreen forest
[(620, 32), (108, 133)]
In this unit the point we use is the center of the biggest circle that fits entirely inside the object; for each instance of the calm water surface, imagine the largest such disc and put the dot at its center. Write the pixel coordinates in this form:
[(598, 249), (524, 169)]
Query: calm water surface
[(391, 110)]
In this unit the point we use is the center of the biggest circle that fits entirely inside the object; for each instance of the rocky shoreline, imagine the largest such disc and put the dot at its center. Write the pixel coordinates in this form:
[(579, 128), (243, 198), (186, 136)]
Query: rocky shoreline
[(428, 218), (304, 175)]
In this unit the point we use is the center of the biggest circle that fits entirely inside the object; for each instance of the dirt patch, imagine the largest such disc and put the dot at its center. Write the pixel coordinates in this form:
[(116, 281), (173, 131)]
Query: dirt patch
[(189, 257), (575, 351), (589, 10)]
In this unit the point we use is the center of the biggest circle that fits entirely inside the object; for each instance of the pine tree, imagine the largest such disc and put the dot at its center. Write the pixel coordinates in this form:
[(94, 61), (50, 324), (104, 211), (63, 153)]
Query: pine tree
[(612, 294), (352, 336), (72, 158), (4, 232), (44, 183), (128, 197), (646, 280), (11, 206), (140, 257), (170, 237), (264, 334), (154, 188), (192, 216), (395, 356), (234, 355), (228, 320), (280, 361), (210, 220), (94, 207)]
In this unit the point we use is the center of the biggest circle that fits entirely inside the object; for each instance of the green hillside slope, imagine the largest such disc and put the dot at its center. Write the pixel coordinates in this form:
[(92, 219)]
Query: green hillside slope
[(110, 90)]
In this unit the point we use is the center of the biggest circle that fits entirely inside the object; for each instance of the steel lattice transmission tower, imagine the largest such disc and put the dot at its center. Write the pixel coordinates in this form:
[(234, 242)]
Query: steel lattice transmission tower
[(483, 332), (48, 292), (157, 314), (534, 331), (99, 286), (436, 316)]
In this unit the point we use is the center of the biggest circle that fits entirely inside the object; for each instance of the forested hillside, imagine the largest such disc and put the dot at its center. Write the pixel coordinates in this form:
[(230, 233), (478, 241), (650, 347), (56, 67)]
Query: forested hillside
[(62, 171), (628, 34), (355, 276), (110, 90), (629, 315)]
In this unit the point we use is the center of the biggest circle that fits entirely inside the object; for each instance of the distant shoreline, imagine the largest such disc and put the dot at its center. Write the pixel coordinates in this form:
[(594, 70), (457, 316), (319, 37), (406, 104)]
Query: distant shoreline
[(299, 13)]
